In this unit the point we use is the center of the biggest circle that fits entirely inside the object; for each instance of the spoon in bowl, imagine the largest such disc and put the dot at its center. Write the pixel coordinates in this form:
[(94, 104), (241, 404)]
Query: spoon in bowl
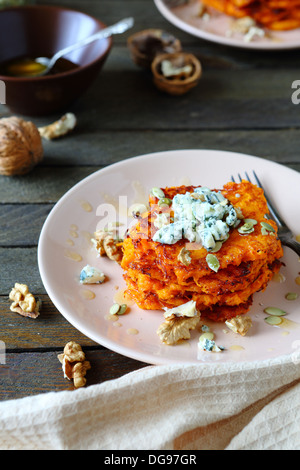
[(117, 28)]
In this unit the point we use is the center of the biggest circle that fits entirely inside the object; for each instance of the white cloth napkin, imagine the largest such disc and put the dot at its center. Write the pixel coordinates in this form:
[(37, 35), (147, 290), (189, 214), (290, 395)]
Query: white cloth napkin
[(250, 406)]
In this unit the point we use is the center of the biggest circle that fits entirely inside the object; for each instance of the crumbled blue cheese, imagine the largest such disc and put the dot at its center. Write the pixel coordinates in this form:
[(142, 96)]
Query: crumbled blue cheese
[(203, 216), (205, 328), (169, 234), (91, 275), (188, 309)]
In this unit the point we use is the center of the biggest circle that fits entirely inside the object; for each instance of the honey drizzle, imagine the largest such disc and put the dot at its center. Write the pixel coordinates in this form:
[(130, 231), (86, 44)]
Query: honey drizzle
[(73, 255)]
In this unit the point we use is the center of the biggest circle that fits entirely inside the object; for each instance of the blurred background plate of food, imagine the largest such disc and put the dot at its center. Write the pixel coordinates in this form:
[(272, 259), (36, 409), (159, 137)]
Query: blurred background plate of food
[(31, 31)]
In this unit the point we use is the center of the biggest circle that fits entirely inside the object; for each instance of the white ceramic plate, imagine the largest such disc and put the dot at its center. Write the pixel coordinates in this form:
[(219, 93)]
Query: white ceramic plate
[(91, 202), (215, 29)]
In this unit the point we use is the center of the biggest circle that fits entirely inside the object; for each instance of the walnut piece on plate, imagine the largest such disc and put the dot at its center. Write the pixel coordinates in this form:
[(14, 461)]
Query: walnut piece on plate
[(107, 245), (176, 328), (239, 324)]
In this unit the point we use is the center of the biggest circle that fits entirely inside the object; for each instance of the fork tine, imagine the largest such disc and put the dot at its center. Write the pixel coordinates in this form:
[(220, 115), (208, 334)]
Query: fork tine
[(272, 209), (240, 178), (257, 179)]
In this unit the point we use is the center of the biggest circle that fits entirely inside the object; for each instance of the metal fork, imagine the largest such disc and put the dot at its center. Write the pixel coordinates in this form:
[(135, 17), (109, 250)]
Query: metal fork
[(285, 235)]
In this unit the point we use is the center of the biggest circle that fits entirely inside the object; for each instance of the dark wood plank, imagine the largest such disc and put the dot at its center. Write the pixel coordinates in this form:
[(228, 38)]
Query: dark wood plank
[(20, 225), (43, 185), (20, 265), (240, 99), (106, 147), (31, 373), (49, 330)]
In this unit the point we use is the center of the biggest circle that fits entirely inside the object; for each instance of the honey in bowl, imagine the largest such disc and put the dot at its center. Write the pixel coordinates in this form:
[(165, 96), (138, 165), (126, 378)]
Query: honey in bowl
[(27, 67)]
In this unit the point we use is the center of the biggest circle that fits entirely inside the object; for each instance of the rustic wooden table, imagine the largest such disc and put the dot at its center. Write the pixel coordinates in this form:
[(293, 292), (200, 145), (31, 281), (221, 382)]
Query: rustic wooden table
[(242, 104)]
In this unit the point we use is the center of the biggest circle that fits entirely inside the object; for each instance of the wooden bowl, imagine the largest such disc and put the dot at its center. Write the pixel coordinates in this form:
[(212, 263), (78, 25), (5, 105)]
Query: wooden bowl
[(187, 72), (41, 30), (147, 44)]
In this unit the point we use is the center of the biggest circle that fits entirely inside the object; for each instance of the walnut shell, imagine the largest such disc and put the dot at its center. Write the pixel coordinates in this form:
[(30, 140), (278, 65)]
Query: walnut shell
[(176, 85), (20, 146), (147, 44)]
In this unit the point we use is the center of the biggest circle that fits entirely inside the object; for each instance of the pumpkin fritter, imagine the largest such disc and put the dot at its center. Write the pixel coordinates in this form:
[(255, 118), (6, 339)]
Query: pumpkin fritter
[(157, 277)]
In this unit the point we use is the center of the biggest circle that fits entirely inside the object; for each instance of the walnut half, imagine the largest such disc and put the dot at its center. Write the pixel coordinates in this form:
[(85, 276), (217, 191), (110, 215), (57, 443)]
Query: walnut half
[(177, 328), (23, 302), (21, 146), (107, 245), (74, 364)]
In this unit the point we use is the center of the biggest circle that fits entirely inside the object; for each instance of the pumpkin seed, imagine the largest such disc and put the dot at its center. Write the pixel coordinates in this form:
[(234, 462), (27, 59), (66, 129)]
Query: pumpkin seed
[(278, 312), (246, 228), (114, 309), (184, 257), (123, 309), (157, 192), (266, 232), (164, 201), (267, 227), (217, 247), (291, 296), (137, 209), (273, 320), (250, 221), (213, 262)]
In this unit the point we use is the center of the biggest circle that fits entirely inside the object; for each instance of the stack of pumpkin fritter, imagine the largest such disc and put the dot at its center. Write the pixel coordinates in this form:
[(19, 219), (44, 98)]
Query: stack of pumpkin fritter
[(216, 247)]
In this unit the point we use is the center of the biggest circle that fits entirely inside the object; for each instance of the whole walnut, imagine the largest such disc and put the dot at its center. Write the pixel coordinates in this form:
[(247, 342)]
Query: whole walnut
[(20, 146)]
